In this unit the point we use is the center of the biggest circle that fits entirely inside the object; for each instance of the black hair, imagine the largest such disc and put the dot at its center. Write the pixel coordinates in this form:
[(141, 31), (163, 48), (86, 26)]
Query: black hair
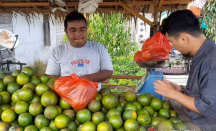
[(181, 21), (73, 16)]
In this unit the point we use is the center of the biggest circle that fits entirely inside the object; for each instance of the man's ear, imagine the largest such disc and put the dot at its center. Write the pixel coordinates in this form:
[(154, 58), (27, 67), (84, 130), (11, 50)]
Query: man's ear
[(183, 38), (65, 31)]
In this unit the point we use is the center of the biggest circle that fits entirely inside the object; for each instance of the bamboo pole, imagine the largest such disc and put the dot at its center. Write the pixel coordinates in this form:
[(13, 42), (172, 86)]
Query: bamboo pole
[(160, 4), (126, 7)]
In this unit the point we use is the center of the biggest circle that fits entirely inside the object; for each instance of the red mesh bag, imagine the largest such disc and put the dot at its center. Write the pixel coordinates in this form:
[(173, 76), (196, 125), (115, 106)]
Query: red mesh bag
[(75, 90)]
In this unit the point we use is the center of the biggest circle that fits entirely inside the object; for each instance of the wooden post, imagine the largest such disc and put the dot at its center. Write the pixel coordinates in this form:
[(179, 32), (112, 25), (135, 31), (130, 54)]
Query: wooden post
[(155, 19)]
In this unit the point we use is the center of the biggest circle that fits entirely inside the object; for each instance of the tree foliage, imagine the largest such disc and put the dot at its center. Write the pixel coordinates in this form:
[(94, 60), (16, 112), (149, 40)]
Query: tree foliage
[(209, 15)]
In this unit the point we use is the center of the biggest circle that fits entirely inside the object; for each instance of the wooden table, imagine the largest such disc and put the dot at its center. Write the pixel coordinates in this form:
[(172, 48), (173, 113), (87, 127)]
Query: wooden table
[(181, 114)]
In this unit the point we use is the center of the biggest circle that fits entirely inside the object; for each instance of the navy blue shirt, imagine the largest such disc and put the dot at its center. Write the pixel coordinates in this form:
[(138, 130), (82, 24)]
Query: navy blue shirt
[(202, 85)]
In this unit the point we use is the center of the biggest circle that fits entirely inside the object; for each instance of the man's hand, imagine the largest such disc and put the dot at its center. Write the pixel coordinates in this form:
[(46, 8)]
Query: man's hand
[(165, 88)]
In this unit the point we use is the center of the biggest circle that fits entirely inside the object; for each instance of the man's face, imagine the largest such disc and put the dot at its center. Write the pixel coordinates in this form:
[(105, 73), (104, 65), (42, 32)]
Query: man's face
[(179, 44), (77, 33)]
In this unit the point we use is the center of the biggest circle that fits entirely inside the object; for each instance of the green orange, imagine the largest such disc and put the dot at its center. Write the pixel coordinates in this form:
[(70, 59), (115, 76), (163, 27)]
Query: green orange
[(130, 96), (22, 79), (98, 117), (131, 125), (62, 121), (116, 121), (110, 101), (8, 115), (144, 120), (25, 119), (83, 115)]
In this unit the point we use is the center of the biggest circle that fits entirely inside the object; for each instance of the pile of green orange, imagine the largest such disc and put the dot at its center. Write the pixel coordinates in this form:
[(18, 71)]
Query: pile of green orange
[(29, 103)]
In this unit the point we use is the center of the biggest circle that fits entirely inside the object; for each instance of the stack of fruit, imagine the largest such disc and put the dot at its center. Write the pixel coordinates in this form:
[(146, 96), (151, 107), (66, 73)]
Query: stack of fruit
[(29, 103)]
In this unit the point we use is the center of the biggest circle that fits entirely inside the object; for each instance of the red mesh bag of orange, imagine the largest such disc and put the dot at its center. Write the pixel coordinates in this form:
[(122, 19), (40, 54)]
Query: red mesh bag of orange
[(154, 49), (75, 90)]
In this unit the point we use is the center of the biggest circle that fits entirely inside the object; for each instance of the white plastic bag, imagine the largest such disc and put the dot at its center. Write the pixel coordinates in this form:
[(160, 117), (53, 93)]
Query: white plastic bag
[(88, 6)]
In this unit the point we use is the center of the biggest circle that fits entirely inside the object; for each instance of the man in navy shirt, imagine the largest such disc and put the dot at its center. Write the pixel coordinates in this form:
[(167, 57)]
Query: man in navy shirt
[(182, 29)]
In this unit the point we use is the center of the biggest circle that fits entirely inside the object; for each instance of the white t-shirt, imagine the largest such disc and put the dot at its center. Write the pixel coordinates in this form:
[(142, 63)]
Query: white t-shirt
[(66, 60)]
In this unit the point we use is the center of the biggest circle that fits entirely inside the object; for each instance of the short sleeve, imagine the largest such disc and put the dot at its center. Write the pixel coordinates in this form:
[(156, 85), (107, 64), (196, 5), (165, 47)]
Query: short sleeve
[(53, 65), (206, 101), (105, 60)]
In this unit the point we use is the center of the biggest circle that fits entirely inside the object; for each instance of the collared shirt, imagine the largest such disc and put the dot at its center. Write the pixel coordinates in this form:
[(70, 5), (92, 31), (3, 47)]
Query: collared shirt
[(202, 85)]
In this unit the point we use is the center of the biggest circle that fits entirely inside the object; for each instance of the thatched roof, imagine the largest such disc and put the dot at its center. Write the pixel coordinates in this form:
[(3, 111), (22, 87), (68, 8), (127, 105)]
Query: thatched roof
[(128, 7)]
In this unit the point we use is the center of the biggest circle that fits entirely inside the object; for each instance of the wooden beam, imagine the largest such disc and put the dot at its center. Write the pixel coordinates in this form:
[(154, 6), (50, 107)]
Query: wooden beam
[(126, 7), (114, 3), (160, 4), (125, 77), (33, 6), (26, 4), (176, 2)]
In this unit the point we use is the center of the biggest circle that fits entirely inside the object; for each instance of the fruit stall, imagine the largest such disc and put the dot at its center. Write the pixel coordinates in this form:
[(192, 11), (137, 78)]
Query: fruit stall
[(30, 102)]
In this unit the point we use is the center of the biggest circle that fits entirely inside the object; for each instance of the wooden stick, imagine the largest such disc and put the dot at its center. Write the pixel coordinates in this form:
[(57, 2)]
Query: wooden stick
[(126, 7), (26, 4), (160, 4)]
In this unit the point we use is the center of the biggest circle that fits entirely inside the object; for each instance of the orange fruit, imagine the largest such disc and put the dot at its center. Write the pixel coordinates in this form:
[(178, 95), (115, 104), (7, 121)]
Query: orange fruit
[(41, 88), (130, 106), (130, 96), (166, 105), (129, 114), (156, 121), (32, 86), (5, 106), (14, 97), (88, 126), (8, 115), (142, 128), (165, 126), (31, 128), (35, 80), (62, 121), (150, 110), (4, 126), (25, 94), (51, 112), (104, 110), (2, 86), (35, 109), (64, 104), (144, 120), (59, 109), (149, 95), (2, 75), (143, 100), (98, 117), (12, 87), (21, 107), (131, 125), (181, 126), (112, 112), (72, 126), (104, 91), (120, 108), (173, 113), (45, 129), (122, 129), (104, 126), (175, 120), (25, 119), (49, 98), (156, 104), (155, 113), (35, 99), (16, 73), (22, 79), (16, 128), (41, 121), (110, 101), (116, 121), (138, 105), (142, 111), (52, 79), (94, 106), (52, 126), (70, 113), (164, 113), (50, 85), (28, 71), (123, 102), (6, 97), (98, 97), (83, 115), (44, 78), (9, 79)]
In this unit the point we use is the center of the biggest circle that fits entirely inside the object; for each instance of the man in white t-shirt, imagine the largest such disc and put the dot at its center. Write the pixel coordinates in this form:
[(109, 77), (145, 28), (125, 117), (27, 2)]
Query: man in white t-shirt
[(88, 59)]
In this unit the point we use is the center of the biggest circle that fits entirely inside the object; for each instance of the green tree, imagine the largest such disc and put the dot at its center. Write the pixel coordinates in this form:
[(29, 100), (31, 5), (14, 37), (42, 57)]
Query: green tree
[(209, 15), (112, 31)]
